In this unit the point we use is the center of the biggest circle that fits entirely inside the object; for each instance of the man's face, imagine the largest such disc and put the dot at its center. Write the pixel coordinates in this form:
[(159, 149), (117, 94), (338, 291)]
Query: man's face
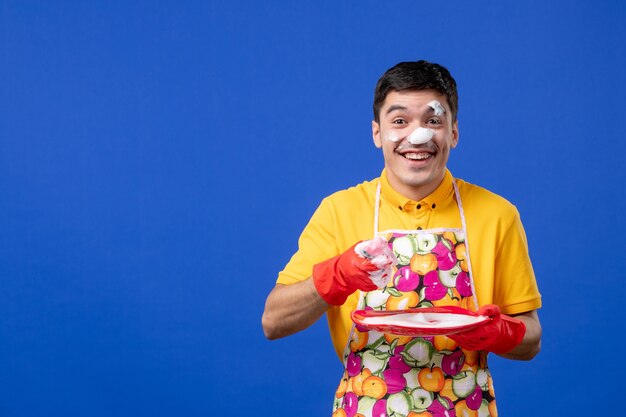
[(416, 134)]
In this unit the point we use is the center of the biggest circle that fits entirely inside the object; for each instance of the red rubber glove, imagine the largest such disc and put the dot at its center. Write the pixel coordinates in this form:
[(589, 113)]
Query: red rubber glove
[(355, 269), (501, 334)]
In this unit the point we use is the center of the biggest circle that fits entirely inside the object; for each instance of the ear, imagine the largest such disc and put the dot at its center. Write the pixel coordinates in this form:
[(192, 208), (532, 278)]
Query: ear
[(455, 134), (376, 134)]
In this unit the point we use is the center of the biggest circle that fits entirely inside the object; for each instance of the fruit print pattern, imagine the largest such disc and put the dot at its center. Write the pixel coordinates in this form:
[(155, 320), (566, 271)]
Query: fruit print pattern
[(401, 376)]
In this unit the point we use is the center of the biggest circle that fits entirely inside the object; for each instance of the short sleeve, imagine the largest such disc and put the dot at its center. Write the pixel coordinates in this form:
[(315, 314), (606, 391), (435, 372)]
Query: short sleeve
[(316, 244), (515, 285)]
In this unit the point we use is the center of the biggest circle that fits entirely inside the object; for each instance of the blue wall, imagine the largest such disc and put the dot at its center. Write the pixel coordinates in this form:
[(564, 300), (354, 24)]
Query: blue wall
[(158, 161)]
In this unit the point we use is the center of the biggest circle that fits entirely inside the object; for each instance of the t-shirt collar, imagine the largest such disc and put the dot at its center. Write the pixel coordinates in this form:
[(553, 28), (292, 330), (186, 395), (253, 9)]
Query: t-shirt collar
[(442, 193)]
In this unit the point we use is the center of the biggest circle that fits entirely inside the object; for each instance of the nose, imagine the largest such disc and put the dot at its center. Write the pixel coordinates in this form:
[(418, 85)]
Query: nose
[(421, 135)]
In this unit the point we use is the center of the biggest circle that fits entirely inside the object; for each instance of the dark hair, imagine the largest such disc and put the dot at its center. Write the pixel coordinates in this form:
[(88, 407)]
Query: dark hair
[(419, 75)]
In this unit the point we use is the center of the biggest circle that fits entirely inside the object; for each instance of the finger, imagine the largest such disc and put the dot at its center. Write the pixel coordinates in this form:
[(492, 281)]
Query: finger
[(489, 310)]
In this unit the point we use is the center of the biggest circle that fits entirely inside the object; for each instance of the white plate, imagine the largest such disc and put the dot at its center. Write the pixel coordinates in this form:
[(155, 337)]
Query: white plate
[(420, 321)]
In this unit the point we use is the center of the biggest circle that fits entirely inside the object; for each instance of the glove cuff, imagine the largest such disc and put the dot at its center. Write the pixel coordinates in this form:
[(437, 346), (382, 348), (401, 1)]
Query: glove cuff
[(512, 334), (329, 288)]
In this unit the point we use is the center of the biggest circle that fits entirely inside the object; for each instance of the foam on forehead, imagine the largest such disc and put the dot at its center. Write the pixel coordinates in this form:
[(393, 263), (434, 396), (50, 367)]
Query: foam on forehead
[(437, 107)]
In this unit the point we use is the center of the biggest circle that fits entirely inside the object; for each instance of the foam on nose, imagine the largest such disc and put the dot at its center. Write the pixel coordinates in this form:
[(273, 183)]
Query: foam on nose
[(421, 135)]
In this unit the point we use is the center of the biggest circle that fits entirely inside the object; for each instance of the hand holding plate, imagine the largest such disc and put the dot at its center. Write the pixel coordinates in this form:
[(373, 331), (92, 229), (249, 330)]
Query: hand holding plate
[(501, 334)]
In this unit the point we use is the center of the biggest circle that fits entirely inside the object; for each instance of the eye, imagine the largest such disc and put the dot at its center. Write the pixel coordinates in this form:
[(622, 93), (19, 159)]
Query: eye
[(433, 121), (398, 121)]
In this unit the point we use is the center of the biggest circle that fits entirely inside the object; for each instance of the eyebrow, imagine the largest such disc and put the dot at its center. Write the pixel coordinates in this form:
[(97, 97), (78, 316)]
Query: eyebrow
[(399, 107), (395, 107)]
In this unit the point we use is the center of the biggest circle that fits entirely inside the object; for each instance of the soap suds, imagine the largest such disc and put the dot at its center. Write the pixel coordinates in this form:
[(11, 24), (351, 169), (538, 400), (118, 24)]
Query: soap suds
[(421, 135), (393, 137), (423, 320), (417, 137), (437, 107), (379, 253)]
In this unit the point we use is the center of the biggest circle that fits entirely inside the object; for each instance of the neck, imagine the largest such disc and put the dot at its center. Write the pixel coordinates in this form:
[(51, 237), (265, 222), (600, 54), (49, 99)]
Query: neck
[(414, 192)]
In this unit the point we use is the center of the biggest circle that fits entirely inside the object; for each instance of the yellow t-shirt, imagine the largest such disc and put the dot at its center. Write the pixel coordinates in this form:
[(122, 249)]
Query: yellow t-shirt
[(501, 267)]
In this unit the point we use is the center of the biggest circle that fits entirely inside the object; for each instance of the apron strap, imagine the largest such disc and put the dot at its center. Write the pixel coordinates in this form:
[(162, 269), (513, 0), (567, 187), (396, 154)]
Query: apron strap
[(457, 194), (376, 209)]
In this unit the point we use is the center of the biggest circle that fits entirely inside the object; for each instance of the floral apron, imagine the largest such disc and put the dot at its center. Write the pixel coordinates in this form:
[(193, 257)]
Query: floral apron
[(402, 376)]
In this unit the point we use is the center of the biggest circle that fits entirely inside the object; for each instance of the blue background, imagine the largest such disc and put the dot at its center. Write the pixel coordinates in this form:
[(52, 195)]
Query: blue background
[(158, 161)]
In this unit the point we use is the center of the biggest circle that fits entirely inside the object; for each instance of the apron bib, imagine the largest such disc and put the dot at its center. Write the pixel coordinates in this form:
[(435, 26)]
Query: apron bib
[(402, 376)]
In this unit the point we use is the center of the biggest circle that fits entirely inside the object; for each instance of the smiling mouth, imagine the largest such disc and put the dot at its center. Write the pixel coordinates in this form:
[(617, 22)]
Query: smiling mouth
[(417, 156)]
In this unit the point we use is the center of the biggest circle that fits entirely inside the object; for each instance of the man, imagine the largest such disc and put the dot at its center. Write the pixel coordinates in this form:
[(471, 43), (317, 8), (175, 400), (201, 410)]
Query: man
[(445, 242)]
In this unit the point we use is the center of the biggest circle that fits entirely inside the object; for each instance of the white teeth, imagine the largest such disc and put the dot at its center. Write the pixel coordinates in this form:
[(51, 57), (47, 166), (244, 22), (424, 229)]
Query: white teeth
[(417, 156)]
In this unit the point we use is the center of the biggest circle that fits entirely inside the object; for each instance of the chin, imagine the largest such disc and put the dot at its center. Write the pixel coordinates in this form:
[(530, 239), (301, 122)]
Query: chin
[(422, 179), (417, 180)]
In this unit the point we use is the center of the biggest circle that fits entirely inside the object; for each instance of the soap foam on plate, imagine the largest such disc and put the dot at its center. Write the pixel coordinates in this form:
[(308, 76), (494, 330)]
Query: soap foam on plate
[(423, 320)]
